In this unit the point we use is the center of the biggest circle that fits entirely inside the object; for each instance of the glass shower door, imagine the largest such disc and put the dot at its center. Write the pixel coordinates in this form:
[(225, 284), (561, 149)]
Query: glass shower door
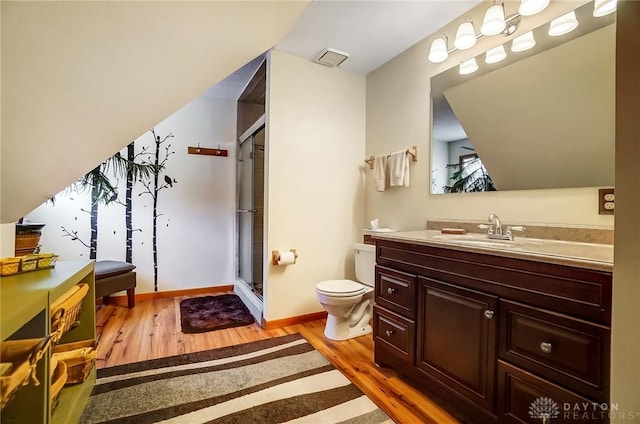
[(250, 210)]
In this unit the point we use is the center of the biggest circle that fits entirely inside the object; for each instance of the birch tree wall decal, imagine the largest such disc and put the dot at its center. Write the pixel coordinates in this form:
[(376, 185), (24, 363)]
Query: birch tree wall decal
[(103, 191), (74, 236), (131, 177), (128, 253), (154, 190)]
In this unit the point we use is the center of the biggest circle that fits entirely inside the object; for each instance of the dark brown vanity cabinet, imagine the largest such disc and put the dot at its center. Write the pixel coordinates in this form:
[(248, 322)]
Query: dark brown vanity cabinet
[(491, 335), (456, 336)]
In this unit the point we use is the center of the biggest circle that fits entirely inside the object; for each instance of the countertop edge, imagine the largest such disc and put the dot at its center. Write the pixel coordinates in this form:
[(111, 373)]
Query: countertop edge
[(591, 264)]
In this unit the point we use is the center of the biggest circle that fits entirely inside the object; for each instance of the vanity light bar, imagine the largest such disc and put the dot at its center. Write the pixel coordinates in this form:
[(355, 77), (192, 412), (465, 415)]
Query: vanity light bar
[(495, 23)]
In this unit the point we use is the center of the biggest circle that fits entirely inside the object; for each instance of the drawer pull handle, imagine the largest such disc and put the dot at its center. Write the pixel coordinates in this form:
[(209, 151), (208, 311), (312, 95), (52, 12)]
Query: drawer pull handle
[(388, 333), (391, 290), (488, 314), (545, 347)]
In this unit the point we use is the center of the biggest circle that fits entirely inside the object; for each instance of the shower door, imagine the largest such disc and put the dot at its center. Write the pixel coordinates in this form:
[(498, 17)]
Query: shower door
[(251, 210)]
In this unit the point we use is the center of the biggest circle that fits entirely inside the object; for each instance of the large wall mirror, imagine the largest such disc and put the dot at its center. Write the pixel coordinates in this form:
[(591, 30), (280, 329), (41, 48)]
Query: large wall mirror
[(541, 118)]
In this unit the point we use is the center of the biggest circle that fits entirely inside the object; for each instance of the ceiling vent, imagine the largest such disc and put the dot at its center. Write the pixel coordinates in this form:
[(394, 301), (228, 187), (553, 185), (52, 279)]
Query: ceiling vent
[(331, 57)]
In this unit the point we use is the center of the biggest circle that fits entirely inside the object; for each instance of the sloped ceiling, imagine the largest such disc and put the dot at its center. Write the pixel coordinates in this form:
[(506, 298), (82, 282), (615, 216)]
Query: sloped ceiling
[(81, 80)]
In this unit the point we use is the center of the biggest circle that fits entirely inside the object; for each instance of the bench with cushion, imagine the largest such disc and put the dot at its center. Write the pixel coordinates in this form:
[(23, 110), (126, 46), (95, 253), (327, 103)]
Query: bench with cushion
[(113, 277)]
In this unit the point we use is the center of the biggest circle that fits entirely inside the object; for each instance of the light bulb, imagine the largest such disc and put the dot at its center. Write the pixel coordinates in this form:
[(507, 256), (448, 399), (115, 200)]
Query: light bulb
[(438, 52), (523, 42), (564, 24), (604, 7), (495, 55), (493, 23), (465, 36), (468, 66), (531, 7)]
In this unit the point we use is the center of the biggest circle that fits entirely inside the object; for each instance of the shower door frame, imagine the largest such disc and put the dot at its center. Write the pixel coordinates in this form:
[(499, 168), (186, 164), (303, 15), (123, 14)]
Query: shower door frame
[(255, 298)]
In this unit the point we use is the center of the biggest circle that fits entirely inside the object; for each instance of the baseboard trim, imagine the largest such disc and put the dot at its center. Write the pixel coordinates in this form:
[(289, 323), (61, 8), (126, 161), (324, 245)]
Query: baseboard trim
[(300, 319), (173, 293)]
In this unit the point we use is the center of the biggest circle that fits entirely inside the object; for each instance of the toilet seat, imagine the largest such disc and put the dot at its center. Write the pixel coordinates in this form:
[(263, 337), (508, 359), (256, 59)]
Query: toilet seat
[(340, 288)]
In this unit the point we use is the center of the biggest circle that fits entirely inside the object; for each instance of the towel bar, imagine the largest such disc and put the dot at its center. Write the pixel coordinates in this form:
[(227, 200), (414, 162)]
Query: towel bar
[(413, 151)]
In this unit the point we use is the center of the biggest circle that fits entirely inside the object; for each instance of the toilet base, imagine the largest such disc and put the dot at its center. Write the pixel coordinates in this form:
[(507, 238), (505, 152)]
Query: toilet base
[(339, 329)]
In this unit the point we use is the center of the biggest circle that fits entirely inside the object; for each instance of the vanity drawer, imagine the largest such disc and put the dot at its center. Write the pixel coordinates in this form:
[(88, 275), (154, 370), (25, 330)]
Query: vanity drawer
[(562, 349), (396, 291), (394, 334), (525, 398)]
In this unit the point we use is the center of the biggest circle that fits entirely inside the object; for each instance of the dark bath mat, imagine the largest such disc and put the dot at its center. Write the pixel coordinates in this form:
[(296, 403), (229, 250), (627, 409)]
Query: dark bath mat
[(210, 313)]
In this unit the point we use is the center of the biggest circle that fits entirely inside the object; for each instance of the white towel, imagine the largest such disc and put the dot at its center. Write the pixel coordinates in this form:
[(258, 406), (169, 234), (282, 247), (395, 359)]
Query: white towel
[(399, 169), (380, 173)]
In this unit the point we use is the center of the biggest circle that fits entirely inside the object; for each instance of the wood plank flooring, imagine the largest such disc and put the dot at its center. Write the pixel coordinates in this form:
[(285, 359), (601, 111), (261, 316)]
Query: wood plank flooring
[(152, 330)]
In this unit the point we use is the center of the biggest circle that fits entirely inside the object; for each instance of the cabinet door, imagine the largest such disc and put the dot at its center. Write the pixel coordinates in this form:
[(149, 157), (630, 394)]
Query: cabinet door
[(457, 340)]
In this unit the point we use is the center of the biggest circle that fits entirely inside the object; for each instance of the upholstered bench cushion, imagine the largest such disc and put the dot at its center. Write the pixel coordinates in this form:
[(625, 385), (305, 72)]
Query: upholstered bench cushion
[(113, 277), (105, 269)]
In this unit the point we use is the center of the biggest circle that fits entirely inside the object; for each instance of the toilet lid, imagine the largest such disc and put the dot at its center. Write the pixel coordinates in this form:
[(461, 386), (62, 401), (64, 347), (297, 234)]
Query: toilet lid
[(340, 287)]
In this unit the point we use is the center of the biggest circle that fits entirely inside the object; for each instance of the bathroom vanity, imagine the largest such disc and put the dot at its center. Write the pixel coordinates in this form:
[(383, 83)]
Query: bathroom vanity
[(493, 328)]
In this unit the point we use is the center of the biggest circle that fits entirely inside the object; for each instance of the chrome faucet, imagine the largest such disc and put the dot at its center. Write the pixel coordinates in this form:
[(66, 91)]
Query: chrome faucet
[(498, 232), (493, 218)]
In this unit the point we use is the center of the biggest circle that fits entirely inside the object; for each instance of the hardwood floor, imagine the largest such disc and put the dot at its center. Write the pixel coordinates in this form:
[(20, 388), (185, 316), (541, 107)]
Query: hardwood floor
[(152, 330)]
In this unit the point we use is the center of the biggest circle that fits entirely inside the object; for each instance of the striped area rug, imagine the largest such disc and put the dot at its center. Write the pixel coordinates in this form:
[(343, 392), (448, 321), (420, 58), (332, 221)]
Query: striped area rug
[(280, 380)]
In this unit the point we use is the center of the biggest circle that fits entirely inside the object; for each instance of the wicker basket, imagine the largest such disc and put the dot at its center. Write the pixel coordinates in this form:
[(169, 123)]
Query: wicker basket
[(9, 266), (58, 378), (26, 242), (79, 357), (28, 263), (23, 355), (46, 260), (65, 310)]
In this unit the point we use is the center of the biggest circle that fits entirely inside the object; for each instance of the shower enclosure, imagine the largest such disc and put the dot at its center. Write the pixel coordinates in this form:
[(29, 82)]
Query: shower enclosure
[(250, 210)]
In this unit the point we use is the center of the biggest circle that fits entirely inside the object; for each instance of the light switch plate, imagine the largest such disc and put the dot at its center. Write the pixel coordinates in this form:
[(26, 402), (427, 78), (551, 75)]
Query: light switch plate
[(606, 201)]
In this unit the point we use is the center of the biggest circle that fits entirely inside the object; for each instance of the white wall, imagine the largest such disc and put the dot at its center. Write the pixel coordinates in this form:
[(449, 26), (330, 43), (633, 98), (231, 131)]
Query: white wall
[(397, 118), (7, 240), (315, 178), (82, 79), (398, 115), (196, 223)]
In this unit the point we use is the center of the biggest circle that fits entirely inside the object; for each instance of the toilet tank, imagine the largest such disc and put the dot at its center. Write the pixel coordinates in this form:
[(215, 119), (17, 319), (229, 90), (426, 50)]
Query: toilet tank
[(365, 257)]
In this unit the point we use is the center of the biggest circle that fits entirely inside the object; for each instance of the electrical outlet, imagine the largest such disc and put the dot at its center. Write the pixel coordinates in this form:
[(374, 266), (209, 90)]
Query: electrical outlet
[(606, 201)]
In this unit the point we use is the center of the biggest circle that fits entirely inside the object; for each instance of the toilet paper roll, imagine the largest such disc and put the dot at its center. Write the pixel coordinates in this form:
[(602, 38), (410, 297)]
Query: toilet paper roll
[(287, 258)]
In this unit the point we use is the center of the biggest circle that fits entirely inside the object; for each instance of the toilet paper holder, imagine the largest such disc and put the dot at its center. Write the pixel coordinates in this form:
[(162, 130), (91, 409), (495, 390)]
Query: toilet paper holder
[(275, 256)]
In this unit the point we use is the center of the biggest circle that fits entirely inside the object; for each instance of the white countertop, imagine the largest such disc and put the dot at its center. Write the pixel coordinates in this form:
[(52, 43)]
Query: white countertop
[(585, 255)]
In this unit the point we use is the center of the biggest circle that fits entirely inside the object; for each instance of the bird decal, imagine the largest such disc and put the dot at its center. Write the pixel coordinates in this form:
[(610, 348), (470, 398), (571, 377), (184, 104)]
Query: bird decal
[(113, 198), (169, 181)]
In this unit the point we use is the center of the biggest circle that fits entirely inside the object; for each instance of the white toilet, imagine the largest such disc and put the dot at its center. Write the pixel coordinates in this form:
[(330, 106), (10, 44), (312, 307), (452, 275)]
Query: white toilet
[(349, 304)]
